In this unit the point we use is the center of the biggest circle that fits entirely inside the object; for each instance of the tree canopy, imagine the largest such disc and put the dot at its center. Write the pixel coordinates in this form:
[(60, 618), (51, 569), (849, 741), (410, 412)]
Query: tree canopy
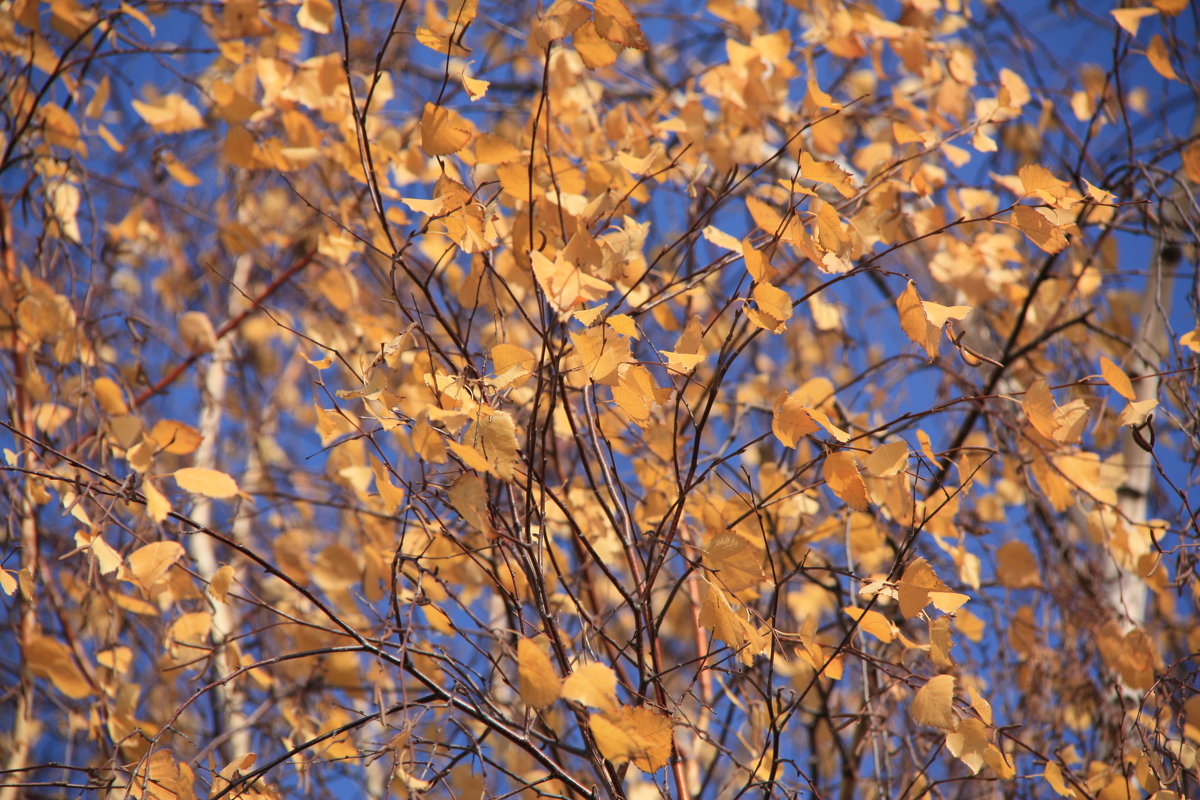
[(607, 399)]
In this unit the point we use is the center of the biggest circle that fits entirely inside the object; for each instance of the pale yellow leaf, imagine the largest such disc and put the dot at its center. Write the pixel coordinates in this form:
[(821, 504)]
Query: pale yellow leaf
[(1117, 379), (592, 685), (208, 482)]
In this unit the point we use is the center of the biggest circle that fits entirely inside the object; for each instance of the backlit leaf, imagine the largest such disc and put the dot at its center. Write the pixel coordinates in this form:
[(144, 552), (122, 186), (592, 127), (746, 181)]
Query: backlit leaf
[(933, 704), (538, 682), (641, 735), (208, 482), (592, 685)]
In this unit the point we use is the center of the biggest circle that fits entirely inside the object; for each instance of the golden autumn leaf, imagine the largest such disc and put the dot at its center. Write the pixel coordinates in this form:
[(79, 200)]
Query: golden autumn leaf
[(537, 680), (843, 478), (49, 658), (443, 131), (468, 496), (616, 24), (969, 743), (1160, 59), (641, 735), (171, 113), (933, 704), (887, 459), (208, 482), (774, 308), (175, 437), (1117, 379), (316, 15), (736, 565), (872, 622), (149, 563), (1040, 229), (221, 580), (592, 685), (1016, 567)]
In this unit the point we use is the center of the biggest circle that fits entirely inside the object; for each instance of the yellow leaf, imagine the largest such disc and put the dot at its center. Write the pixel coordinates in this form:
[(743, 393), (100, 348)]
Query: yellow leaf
[(149, 563), (512, 364), (721, 239), (616, 24), (537, 680), (1054, 776), (496, 437), (596, 51), (1136, 412), (177, 438), (623, 324), (179, 171), (170, 114), (1191, 161), (915, 586), (1191, 339), (443, 131), (640, 735), (774, 308), (933, 705), (791, 419), (940, 642), (475, 87), (1016, 567), (50, 658), (592, 685), (1040, 408), (969, 743), (316, 16), (999, 762), (872, 622), (728, 626), (222, 579), (1160, 59), (1040, 230), (841, 475), (207, 482), (1130, 18), (107, 559), (564, 284), (1117, 379), (468, 496), (735, 564), (914, 321), (887, 459), (196, 332), (109, 396), (391, 494), (602, 353), (8, 584)]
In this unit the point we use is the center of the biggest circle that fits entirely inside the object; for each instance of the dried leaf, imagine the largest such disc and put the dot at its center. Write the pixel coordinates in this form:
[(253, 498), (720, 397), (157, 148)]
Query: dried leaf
[(537, 681)]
